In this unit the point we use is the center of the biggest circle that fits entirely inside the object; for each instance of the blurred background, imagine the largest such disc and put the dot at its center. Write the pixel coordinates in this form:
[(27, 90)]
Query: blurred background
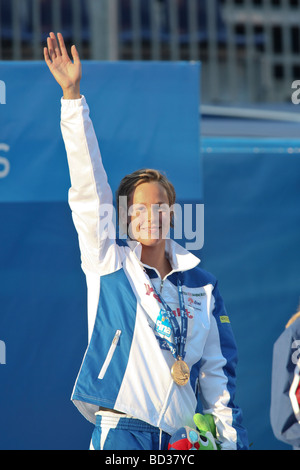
[(249, 168), (250, 48)]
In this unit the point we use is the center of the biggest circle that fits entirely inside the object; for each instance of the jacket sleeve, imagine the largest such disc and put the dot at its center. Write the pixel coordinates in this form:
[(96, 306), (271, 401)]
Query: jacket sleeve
[(217, 379), (285, 354), (90, 196)]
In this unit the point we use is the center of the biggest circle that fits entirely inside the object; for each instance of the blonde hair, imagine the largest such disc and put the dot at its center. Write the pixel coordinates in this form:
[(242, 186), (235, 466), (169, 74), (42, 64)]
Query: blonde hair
[(145, 175), (293, 318)]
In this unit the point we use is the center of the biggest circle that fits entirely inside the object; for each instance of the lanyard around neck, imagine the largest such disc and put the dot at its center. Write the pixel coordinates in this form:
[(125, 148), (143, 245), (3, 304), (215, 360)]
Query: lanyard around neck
[(179, 334)]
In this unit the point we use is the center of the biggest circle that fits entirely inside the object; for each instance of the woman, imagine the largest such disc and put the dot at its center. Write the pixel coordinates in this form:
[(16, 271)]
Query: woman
[(160, 342)]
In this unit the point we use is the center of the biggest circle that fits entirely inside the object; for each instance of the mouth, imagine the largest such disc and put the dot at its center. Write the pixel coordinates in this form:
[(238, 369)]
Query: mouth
[(151, 232), (151, 229)]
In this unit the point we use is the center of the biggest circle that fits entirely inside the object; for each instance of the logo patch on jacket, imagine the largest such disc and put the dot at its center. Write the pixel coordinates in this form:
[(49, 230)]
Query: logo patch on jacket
[(224, 319)]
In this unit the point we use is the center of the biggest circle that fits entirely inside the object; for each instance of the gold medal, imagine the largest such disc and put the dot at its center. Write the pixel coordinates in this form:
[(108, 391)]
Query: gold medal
[(180, 372)]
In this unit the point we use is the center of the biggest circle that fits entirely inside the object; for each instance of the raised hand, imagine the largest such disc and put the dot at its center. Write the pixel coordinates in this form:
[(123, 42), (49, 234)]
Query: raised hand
[(66, 73)]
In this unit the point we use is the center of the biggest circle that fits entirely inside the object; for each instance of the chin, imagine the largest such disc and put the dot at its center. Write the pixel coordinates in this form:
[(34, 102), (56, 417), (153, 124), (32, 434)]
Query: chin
[(150, 241)]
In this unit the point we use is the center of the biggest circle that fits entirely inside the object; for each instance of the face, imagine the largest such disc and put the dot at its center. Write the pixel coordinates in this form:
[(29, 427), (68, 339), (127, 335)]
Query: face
[(149, 214)]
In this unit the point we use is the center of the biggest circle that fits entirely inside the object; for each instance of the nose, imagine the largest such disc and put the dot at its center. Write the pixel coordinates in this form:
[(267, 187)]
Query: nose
[(153, 214)]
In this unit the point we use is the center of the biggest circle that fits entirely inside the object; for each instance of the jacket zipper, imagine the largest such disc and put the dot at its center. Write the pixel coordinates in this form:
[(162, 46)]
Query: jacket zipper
[(109, 354)]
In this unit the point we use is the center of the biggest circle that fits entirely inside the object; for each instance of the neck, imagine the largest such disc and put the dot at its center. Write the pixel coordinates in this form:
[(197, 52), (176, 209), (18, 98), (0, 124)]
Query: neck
[(155, 257)]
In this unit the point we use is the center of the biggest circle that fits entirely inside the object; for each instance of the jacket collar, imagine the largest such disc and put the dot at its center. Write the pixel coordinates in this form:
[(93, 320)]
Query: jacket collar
[(180, 258)]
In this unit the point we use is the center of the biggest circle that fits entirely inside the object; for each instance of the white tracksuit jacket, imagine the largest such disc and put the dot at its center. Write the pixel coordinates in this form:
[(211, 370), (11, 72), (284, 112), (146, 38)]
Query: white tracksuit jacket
[(124, 367)]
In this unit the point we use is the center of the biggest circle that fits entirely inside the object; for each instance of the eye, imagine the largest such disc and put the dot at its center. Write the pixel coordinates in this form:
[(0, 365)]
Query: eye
[(137, 209)]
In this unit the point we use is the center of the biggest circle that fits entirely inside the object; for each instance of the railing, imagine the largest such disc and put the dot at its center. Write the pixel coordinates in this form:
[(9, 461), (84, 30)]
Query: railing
[(249, 48), (271, 30)]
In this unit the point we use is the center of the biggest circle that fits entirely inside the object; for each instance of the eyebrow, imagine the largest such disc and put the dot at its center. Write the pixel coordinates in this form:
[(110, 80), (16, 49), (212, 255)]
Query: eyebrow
[(160, 203)]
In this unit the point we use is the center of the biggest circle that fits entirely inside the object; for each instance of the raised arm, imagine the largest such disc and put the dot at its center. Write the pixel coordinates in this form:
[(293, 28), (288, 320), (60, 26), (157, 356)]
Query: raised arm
[(90, 196)]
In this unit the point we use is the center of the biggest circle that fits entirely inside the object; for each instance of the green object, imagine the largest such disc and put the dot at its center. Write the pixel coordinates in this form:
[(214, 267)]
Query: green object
[(207, 432)]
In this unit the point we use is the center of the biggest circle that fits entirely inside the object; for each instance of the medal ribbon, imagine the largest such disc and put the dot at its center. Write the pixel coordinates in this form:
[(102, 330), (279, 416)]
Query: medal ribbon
[(179, 336)]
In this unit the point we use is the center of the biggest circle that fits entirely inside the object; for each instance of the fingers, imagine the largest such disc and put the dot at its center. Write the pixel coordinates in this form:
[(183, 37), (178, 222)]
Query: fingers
[(50, 50), (55, 45), (47, 57), (53, 50), (75, 55), (58, 49), (62, 46)]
